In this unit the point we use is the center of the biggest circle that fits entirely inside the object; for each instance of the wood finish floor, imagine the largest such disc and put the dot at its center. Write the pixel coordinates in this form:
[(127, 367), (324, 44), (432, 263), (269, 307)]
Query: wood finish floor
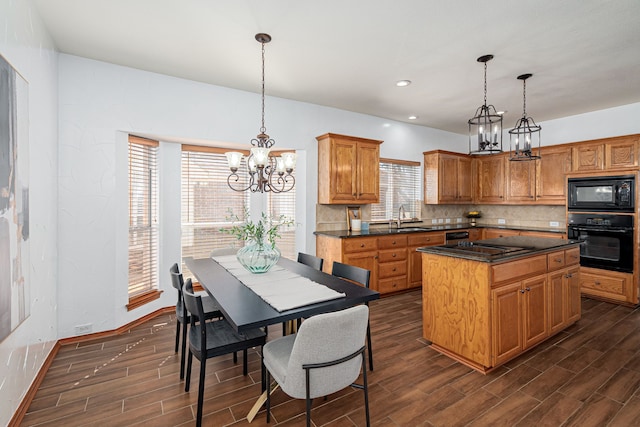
[(589, 375)]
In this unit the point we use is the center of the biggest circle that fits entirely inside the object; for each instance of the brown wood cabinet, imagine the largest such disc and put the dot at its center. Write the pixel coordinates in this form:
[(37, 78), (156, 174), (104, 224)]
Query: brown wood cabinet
[(541, 181), (392, 259), (606, 154), (491, 179), (415, 241), (484, 314), (349, 169), (493, 233), (609, 285), (447, 178)]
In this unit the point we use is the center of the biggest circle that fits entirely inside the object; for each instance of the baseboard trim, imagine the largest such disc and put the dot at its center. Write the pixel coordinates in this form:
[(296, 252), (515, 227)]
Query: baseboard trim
[(21, 411)]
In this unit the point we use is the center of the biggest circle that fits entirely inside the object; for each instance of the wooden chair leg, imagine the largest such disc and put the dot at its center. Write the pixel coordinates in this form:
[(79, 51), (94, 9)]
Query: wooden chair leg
[(184, 349), (369, 348), (203, 364), (187, 383), (177, 334)]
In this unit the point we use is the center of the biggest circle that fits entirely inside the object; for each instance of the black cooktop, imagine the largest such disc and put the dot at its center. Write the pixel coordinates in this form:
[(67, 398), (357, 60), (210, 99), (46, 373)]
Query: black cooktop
[(484, 249)]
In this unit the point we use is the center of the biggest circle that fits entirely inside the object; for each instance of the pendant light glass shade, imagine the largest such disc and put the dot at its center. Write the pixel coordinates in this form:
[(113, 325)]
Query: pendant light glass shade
[(485, 127), (524, 138)]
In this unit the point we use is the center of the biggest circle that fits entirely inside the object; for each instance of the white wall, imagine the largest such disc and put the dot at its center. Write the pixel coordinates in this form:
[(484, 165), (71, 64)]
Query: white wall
[(26, 45), (100, 103)]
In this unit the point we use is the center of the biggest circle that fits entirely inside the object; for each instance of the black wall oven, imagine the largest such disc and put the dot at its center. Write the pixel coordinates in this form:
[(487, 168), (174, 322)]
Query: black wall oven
[(607, 240), (602, 194)]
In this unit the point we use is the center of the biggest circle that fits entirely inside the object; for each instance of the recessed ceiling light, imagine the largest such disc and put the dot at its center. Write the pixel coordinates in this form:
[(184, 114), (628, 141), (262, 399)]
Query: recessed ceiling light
[(413, 117), (403, 83)]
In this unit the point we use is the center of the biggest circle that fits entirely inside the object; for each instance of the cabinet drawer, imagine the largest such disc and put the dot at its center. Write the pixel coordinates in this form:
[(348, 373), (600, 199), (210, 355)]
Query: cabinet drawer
[(572, 256), (392, 269), (392, 285), (608, 284), (556, 260), (391, 255), (520, 268), (359, 244), (390, 242), (426, 239)]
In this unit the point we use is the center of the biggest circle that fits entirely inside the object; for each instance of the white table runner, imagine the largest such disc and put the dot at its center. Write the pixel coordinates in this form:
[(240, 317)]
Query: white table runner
[(280, 288)]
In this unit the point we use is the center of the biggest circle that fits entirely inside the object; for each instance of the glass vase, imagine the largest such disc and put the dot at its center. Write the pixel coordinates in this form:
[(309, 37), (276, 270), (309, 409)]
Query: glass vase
[(258, 257)]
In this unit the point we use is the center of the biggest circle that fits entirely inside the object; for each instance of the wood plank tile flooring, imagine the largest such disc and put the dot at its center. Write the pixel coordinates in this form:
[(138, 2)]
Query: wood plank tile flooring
[(589, 375)]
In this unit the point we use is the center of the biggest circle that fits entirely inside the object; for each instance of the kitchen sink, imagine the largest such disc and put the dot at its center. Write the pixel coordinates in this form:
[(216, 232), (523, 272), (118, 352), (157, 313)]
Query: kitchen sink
[(411, 229)]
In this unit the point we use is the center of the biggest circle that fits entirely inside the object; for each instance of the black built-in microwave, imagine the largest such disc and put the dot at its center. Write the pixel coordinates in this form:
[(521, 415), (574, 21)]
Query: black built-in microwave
[(602, 194)]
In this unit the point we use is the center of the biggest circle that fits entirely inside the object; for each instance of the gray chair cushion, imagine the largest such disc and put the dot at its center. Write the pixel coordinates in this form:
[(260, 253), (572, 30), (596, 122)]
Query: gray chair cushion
[(323, 338)]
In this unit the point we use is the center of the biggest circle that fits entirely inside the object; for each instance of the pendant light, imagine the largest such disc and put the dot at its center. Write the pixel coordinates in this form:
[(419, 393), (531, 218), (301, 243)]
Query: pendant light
[(523, 137), (265, 173), (485, 128)]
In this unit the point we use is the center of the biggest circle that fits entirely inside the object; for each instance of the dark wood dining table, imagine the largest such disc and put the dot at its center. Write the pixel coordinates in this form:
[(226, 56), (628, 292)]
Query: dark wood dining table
[(244, 309)]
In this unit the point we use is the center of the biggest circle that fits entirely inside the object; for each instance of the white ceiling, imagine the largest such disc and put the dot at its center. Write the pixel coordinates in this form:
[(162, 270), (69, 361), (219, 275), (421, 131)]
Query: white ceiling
[(584, 54)]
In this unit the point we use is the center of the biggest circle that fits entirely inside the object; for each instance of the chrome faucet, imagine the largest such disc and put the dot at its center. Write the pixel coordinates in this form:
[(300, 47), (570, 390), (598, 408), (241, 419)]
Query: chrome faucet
[(401, 213)]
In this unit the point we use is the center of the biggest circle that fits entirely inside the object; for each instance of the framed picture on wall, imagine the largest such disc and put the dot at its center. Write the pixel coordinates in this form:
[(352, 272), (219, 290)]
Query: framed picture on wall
[(353, 212)]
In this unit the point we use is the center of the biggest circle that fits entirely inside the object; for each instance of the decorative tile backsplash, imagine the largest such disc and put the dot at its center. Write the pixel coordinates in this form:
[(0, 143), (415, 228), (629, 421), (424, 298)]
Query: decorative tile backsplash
[(332, 217)]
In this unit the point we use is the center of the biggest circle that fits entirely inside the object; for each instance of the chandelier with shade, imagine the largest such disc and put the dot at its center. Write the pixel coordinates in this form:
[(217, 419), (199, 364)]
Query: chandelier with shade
[(485, 127), (526, 133), (266, 173)]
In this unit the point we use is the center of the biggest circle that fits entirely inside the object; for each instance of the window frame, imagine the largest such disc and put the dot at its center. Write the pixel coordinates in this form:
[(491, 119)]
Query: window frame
[(415, 209)]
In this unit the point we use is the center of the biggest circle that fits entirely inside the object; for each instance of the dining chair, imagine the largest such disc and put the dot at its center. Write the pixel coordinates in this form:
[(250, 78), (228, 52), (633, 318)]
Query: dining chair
[(211, 310), (361, 276), (313, 262), (310, 260), (325, 356), (212, 339)]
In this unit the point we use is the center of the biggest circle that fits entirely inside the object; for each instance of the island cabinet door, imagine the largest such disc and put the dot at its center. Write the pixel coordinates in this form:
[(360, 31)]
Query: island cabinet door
[(534, 310), (573, 290), (558, 294), (506, 322)]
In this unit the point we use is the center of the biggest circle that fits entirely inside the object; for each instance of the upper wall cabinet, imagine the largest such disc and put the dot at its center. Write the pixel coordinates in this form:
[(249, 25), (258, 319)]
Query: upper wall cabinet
[(348, 169), (541, 181), (605, 154), (447, 178), (491, 178)]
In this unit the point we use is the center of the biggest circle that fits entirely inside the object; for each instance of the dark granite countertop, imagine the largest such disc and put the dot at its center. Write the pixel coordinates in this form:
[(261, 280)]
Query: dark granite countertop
[(501, 249), (411, 228)]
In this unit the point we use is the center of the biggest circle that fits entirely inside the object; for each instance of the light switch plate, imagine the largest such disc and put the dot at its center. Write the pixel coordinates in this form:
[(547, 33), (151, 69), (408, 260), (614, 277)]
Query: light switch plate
[(554, 224)]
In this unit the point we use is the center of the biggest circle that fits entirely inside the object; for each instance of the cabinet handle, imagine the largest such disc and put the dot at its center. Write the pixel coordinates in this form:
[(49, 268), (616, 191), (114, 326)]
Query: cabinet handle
[(522, 291), (527, 289), (597, 282), (362, 245), (558, 260), (394, 242), (428, 239), (394, 269), (394, 255), (501, 197)]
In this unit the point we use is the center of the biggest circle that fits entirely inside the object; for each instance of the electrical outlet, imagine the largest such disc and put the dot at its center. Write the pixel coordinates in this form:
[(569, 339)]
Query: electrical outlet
[(501, 221), (84, 329), (459, 220), (448, 220), (554, 224), (434, 221), (440, 221)]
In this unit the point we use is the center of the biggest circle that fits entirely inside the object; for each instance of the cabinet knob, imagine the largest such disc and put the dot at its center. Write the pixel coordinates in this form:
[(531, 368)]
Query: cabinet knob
[(557, 260), (522, 291), (394, 255), (428, 239), (597, 282), (394, 242), (362, 245), (394, 269), (527, 289)]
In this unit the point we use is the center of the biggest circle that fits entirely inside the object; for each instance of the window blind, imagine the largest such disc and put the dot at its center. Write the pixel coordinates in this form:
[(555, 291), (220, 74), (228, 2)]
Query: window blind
[(285, 204), (399, 186), (206, 202), (143, 216)]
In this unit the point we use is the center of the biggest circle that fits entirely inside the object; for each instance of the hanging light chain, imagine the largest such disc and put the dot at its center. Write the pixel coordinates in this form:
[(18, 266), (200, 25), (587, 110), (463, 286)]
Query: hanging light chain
[(263, 129), (524, 98), (485, 83)]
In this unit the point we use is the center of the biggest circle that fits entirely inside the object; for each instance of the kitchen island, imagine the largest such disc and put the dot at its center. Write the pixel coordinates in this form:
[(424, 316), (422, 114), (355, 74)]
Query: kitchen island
[(486, 302)]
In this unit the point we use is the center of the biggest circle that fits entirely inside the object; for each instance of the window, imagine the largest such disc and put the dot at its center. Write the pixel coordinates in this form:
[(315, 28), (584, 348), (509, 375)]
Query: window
[(207, 202), (143, 221), (285, 204), (399, 186)]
